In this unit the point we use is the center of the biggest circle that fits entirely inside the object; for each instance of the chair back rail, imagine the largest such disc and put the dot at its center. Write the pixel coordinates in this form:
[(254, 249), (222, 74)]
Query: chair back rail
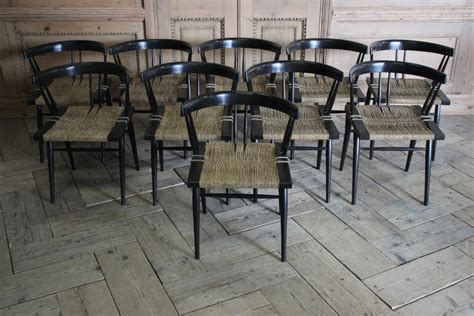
[(291, 67), (100, 69)]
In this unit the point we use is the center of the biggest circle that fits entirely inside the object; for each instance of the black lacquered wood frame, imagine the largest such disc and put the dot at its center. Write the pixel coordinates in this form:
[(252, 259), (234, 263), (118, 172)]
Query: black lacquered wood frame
[(232, 99), (189, 69), (361, 133), (289, 69), (88, 69)]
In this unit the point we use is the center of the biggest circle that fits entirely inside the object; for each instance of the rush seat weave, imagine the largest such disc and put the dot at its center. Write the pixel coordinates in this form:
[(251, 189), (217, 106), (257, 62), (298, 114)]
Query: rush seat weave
[(172, 126), (250, 166), (316, 90), (394, 123), (84, 124), (309, 126)]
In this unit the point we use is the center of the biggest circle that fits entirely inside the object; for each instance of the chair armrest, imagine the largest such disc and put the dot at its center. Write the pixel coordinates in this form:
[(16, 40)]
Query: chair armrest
[(195, 169)]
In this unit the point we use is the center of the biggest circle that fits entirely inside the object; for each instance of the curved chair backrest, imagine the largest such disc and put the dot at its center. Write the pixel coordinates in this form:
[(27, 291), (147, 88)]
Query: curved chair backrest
[(411, 45), (153, 48), (100, 70), (239, 43), (188, 69), (297, 66), (388, 66), (78, 46), (320, 45), (232, 98)]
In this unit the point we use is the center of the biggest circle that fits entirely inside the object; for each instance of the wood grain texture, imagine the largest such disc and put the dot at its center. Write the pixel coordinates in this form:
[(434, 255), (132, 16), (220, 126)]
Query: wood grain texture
[(225, 283), (467, 246), (454, 300), (265, 212), (134, 286), (5, 264), (168, 252), (177, 203), (68, 197), (48, 280), (423, 239), (265, 239), (89, 299), (71, 246), (296, 297), (25, 220), (250, 304), (44, 306), (422, 277), (358, 255), (334, 283), (101, 214)]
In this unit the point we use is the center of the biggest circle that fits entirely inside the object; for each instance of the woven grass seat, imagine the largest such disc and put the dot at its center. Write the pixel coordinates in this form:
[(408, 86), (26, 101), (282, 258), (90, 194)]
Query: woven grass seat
[(84, 124), (226, 166), (173, 126), (406, 91), (309, 126), (394, 123), (316, 90)]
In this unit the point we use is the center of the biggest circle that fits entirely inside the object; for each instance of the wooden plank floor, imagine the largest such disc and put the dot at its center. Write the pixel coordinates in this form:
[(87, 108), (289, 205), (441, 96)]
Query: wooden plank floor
[(88, 255)]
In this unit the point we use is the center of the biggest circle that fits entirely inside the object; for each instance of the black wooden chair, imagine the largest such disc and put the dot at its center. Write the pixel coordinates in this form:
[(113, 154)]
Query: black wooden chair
[(384, 121), (315, 89), (221, 165), (315, 122), (93, 123), (69, 90), (409, 90), (139, 55), (166, 123)]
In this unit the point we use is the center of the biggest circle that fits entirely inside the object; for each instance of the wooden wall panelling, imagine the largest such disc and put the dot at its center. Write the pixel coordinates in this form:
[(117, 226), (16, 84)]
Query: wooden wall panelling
[(194, 22)]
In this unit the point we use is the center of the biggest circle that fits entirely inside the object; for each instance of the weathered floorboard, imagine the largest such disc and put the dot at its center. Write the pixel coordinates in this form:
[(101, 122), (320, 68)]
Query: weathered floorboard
[(44, 306), (346, 294), (89, 299), (422, 277), (358, 255), (47, 280), (5, 264), (134, 286), (225, 283)]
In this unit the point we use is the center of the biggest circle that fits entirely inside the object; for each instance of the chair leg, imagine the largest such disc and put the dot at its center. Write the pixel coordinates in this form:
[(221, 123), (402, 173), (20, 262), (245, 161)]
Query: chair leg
[(133, 142), (160, 154), (39, 123), (196, 221), (121, 146), (185, 152), (355, 168), (345, 145), (102, 152), (437, 118), (227, 199), (153, 170), (328, 170), (50, 153), (255, 192), (429, 151), (320, 154), (371, 151), (410, 155), (203, 200), (292, 150), (69, 153), (283, 201)]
